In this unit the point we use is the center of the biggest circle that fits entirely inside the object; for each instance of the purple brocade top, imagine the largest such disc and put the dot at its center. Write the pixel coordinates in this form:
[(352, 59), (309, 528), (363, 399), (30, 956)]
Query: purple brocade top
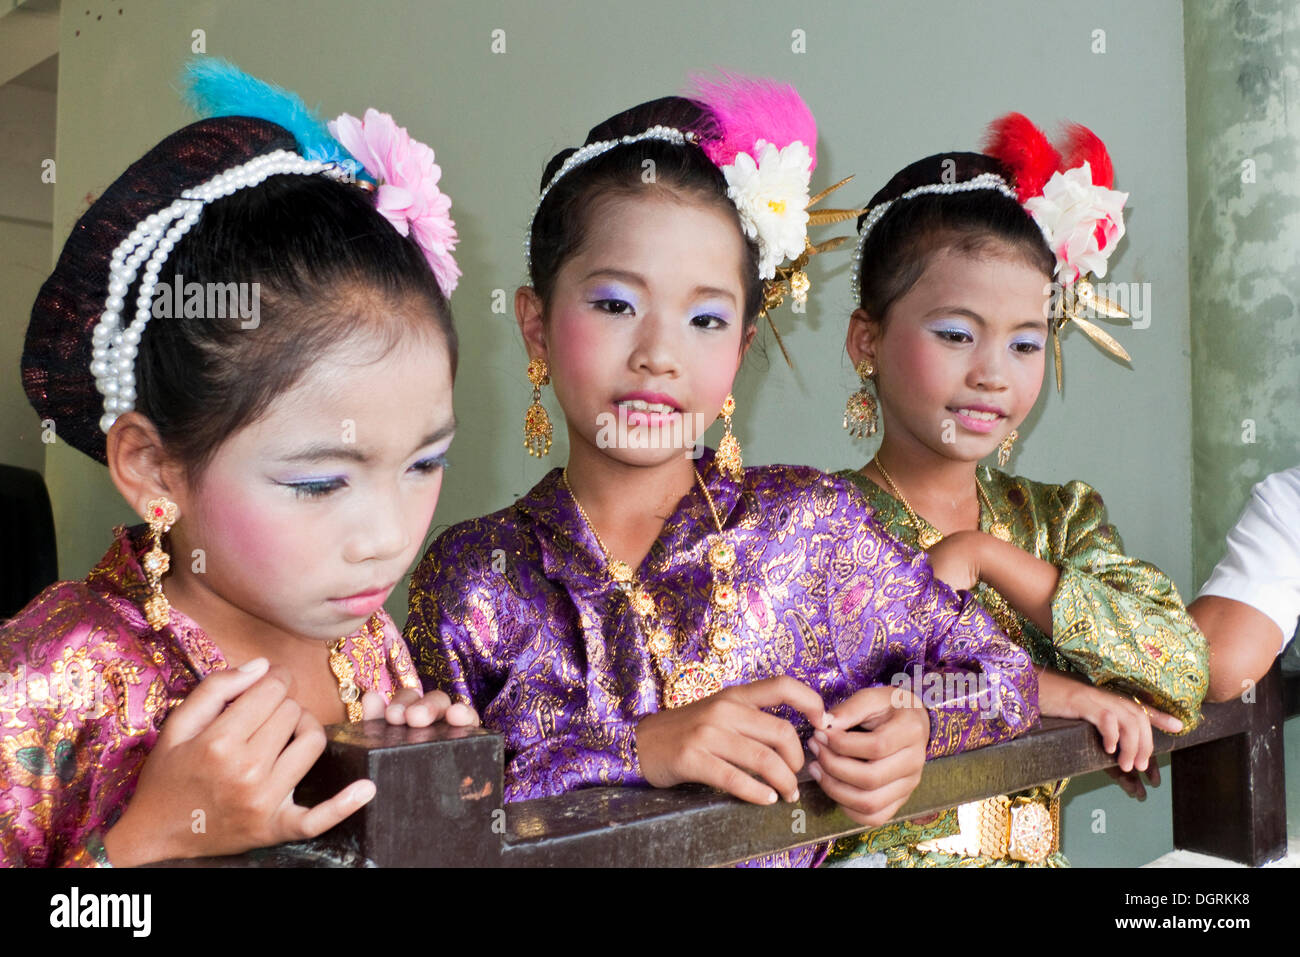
[(516, 614)]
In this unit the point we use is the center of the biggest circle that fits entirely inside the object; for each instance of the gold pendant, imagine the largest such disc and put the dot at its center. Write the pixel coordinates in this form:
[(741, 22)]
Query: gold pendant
[(720, 639), (1000, 531), (660, 643), (643, 603), (722, 555), (692, 682), (157, 611), (929, 537)]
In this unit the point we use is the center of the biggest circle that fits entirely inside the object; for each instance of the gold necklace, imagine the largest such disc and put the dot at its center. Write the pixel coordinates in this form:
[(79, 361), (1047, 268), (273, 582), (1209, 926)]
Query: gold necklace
[(689, 681), (344, 671), (929, 537), (997, 528)]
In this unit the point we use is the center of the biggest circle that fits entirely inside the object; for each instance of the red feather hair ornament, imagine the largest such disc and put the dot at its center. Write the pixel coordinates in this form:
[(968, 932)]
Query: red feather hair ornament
[(1025, 150)]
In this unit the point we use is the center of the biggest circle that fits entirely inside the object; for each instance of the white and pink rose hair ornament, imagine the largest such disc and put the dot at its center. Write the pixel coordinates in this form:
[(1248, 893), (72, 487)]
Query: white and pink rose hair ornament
[(405, 182), (1068, 194)]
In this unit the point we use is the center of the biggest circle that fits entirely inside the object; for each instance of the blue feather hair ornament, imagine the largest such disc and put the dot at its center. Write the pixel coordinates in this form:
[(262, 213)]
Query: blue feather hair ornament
[(216, 87)]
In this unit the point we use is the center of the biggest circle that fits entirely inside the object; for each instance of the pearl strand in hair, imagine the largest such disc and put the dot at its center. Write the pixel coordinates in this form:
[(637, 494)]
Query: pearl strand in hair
[(589, 152), (113, 349), (982, 181)]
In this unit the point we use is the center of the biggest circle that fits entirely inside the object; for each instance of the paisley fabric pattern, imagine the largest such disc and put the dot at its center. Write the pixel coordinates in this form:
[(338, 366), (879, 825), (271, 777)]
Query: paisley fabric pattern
[(516, 614), (85, 686)]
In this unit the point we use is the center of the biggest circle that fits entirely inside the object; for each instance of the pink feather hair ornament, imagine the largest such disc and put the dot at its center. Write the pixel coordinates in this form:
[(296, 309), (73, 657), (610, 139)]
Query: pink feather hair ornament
[(745, 110)]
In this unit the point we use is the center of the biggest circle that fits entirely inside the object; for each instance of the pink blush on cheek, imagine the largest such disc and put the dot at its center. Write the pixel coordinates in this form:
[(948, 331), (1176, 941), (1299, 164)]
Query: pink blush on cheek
[(256, 551)]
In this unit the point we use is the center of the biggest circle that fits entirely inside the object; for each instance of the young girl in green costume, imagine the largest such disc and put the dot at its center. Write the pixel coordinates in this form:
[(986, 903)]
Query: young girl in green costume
[(968, 263)]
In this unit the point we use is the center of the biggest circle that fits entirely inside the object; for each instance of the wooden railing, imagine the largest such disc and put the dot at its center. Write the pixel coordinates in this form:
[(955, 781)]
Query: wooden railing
[(439, 798)]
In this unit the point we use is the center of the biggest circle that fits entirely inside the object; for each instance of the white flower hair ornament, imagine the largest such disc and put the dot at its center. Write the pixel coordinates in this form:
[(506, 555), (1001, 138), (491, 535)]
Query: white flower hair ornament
[(764, 140), (1068, 193)]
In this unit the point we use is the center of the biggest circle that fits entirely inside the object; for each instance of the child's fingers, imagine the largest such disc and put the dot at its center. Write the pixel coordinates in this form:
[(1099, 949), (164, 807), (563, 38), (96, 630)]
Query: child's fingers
[(753, 755), (862, 745), (1108, 724), (1165, 722), (721, 774), (205, 703), (428, 709), (249, 711), (1146, 742), (373, 706), (270, 739), (461, 715), (783, 690), (869, 705), (394, 711), (307, 745), (901, 729), (305, 823), (1130, 740), (868, 775), (777, 733), (870, 808)]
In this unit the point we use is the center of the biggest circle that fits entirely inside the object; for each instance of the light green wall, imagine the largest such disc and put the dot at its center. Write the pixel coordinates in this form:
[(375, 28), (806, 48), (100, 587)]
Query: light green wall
[(889, 82), (24, 264)]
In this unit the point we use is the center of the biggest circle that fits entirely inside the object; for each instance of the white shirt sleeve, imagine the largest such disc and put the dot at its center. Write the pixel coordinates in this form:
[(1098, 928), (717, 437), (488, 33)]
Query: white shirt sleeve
[(1262, 564)]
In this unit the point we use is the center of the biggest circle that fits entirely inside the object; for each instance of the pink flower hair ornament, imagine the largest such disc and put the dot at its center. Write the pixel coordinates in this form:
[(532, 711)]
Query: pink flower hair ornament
[(407, 193)]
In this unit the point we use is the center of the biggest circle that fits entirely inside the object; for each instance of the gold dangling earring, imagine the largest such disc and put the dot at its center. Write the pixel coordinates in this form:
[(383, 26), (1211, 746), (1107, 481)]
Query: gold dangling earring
[(1004, 450), (162, 514), (537, 424), (729, 448), (860, 412)]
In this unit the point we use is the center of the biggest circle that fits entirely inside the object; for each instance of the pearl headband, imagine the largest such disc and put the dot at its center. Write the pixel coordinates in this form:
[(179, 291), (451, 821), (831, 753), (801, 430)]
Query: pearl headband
[(589, 152), (113, 350), (982, 181)]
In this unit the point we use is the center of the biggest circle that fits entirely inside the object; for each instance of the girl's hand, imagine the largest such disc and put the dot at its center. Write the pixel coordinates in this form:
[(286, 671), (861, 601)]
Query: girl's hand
[(408, 707), (1125, 725), (956, 559), (1131, 781), (220, 778), (871, 761), (725, 739)]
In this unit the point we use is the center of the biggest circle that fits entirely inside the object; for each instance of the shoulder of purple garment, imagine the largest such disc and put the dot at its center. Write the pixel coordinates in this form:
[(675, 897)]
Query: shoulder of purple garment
[(475, 542), (803, 484)]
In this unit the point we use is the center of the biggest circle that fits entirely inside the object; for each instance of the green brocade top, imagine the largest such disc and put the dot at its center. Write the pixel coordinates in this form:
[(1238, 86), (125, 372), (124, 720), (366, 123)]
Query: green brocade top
[(1116, 620)]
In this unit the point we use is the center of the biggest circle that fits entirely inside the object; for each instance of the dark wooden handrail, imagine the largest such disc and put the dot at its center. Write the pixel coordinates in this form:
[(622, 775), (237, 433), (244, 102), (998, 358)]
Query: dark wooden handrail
[(439, 798)]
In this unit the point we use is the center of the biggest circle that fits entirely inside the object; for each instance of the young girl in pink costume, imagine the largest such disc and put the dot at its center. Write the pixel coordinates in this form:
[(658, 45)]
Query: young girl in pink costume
[(250, 328)]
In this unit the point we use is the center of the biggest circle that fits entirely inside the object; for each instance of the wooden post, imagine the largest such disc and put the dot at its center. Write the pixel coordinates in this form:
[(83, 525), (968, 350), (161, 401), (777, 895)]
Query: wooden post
[(1229, 794), (438, 795)]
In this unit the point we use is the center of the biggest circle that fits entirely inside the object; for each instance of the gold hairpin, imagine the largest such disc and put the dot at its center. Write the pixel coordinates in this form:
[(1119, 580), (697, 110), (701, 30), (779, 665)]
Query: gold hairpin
[(1075, 299), (791, 277)]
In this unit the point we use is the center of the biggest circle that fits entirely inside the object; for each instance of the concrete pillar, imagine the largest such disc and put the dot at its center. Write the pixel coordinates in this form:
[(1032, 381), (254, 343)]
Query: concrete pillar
[(1243, 184)]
